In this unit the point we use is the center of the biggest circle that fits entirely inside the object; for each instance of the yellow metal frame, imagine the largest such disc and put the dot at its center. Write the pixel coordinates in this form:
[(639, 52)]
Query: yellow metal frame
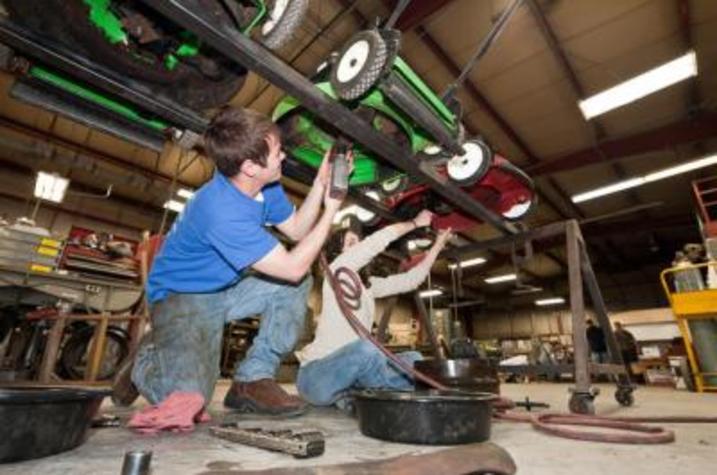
[(696, 305)]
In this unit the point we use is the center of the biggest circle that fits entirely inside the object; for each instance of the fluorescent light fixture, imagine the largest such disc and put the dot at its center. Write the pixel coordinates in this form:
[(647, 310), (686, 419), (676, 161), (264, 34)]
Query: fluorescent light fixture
[(470, 262), (430, 293), (550, 301), (501, 278), (50, 187), (640, 86), (649, 178), (185, 193), (680, 169), (174, 205)]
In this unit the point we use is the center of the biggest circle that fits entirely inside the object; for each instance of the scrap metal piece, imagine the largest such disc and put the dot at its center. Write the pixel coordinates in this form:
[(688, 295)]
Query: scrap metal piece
[(300, 444), (106, 420), (136, 462), (484, 458)]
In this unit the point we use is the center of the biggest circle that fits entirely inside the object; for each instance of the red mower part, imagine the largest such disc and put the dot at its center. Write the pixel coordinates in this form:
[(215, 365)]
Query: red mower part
[(505, 190)]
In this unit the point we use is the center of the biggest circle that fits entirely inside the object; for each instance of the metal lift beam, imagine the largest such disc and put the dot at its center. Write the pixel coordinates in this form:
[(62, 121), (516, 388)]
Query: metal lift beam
[(243, 50), (76, 66)]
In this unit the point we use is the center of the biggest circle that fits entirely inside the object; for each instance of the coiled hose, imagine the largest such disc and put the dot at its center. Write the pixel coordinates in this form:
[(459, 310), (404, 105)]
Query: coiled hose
[(346, 285)]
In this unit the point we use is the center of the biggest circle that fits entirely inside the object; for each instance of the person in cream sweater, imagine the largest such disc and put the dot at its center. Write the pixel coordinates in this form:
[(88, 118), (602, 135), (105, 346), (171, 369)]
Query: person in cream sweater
[(337, 359)]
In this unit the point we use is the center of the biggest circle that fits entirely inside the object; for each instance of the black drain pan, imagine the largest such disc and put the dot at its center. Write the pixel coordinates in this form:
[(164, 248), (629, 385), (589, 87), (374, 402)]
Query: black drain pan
[(41, 421), (425, 417)]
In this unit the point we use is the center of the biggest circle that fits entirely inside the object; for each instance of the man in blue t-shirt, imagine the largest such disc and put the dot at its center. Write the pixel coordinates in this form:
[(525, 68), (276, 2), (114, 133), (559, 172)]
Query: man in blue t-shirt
[(219, 263)]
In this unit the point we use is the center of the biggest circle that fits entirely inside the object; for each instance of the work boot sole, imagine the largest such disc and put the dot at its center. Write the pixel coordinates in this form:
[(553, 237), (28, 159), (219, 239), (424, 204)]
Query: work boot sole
[(247, 406)]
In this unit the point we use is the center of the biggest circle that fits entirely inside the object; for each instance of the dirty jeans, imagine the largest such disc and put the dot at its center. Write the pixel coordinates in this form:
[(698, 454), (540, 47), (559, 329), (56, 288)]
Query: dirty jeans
[(359, 364), (183, 350)]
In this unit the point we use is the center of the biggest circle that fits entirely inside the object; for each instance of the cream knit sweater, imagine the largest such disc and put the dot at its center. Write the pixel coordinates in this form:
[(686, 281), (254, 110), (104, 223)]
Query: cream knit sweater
[(333, 331)]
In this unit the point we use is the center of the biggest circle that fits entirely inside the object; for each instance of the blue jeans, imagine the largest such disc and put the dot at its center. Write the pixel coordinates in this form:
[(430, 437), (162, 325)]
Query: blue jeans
[(357, 365), (183, 350), (599, 357)]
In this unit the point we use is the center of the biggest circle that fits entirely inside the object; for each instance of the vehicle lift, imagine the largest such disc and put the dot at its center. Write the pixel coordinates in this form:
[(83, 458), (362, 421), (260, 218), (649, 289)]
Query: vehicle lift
[(187, 126)]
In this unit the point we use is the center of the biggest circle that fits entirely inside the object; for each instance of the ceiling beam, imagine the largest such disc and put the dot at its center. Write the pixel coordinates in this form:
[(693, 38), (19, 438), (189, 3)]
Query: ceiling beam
[(83, 188), (484, 104), (639, 225), (597, 130), (417, 12), (474, 93), (701, 127), (684, 15)]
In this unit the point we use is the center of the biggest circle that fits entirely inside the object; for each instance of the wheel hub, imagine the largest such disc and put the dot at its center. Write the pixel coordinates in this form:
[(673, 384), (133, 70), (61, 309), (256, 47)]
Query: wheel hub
[(462, 167), (353, 61)]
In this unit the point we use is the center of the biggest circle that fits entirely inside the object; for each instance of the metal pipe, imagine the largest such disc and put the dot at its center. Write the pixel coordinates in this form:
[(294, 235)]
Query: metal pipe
[(136, 462)]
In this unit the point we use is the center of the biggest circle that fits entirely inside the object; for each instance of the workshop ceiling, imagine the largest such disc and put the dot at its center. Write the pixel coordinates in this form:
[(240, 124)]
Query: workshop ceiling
[(522, 97)]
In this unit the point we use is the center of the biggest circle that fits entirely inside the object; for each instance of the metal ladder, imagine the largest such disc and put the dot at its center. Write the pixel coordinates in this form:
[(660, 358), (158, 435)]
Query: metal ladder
[(705, 191)]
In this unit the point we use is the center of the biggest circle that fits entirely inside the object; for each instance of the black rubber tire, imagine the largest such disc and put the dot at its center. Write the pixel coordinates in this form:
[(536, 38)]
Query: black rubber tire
[(286, 26), (76, 347), (581, 405), (480, 171), (625, 397), (371, 71), (65, 21)]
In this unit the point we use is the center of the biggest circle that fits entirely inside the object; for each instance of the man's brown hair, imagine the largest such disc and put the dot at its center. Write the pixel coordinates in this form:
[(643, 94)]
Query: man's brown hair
[(235, 135)]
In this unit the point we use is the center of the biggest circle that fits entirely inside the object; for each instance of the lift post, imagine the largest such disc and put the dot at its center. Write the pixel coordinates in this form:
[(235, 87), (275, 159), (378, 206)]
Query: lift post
[(580, 273)]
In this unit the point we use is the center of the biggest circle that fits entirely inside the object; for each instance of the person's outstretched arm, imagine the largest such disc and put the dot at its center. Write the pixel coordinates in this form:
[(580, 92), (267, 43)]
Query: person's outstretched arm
[(412, 279), (365, 251)]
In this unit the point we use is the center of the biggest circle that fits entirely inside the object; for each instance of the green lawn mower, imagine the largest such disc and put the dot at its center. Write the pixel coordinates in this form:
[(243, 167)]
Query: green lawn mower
[(369, 77), (130, 38)]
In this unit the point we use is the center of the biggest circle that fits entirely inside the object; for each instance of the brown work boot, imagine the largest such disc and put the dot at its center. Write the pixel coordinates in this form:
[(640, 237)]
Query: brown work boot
[(264, 396), (124, 392)]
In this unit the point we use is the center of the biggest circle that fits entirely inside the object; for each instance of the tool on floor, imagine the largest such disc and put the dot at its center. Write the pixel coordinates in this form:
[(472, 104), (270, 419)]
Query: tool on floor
[(529, 405), (485, 458), (340, 169), (106, 420), (300, 444), (136, 462)]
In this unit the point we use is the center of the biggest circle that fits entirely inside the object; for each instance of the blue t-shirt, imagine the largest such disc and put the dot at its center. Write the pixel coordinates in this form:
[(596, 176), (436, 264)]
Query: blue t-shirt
[(220, 233)]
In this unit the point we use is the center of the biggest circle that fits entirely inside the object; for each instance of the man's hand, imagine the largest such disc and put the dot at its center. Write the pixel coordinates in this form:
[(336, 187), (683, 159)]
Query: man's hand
[(423, 219), (443, 237), (323, 174)]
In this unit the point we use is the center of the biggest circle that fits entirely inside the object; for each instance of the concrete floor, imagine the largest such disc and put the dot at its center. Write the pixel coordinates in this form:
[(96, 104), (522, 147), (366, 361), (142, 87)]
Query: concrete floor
[(694, 452)]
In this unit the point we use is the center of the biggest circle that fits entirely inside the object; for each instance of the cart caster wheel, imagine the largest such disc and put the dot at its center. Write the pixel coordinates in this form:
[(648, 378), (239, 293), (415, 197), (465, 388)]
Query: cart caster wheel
[(472, 166), (625, 397), (581, 404), (359, 65)]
